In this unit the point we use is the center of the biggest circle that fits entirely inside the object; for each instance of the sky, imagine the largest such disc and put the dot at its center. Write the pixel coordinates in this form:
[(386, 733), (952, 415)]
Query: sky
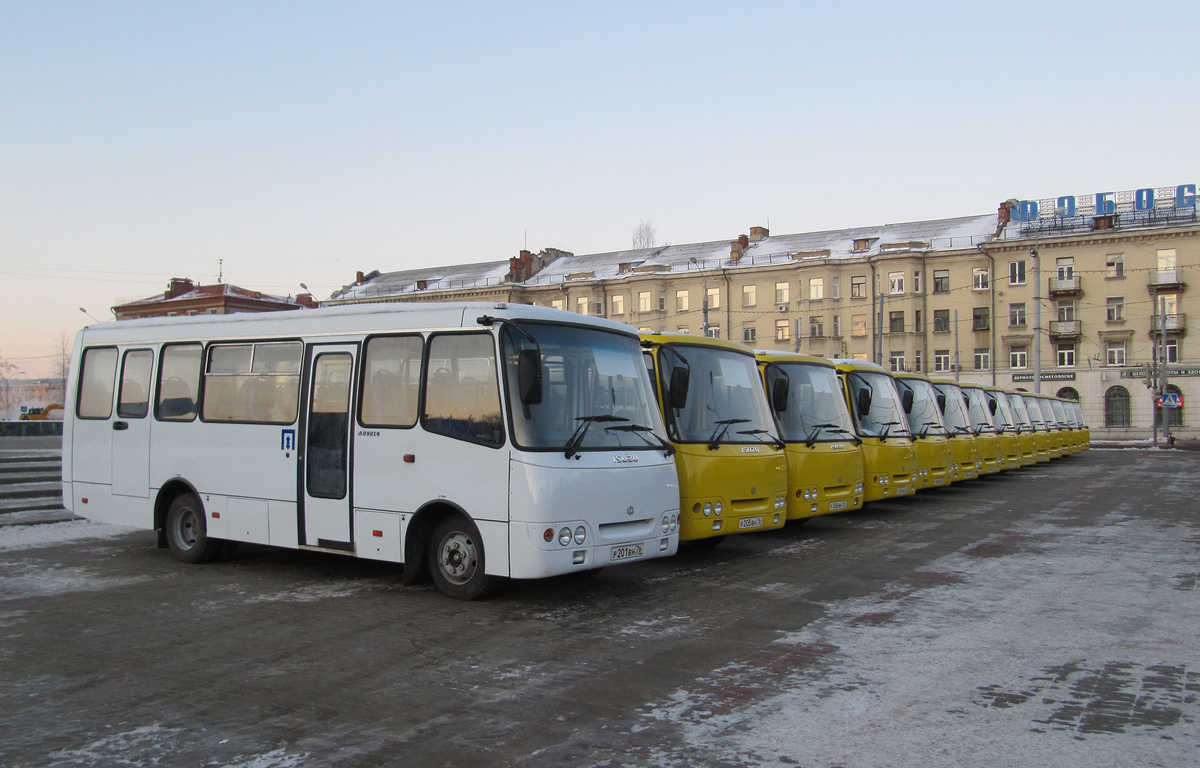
[(279, 143)]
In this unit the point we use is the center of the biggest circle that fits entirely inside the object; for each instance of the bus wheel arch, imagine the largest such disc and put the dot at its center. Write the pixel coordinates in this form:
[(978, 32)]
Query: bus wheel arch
[(172, 490), (444, 545), (187, 531)]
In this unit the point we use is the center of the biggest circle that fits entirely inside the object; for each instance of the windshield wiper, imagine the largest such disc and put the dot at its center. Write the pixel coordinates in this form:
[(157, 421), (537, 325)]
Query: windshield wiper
[(777, 443), (572, 446), (812, 436), (639, 430), (719, 432), (925, 432), (887, 428)]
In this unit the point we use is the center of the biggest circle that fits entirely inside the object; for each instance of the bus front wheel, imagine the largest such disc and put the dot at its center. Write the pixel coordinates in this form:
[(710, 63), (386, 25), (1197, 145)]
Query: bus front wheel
[(456, 560), (187, 534)]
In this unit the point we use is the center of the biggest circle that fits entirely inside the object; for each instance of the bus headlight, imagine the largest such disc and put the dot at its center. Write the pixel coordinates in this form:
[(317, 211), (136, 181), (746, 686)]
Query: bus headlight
[(858, 487), (707, 508), (580, 534), (564, 536), (717, 508)]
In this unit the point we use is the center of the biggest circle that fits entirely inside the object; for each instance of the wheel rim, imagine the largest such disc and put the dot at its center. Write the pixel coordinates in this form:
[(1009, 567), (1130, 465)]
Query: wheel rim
[(458, 558), (185, 528)]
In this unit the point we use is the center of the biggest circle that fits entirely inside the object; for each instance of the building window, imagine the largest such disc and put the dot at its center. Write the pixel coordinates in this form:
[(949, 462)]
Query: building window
[(749, 295), (1016, 314), (896, 361), (1172, 350), (895, 282), (1115, 309), (618, 305), (782, 293), (714, 298), (1166, 260), (644, 301), (1018, 356), (858, 325), (581, 305), (858, 356), (1066, 355), (917, 325), (1066, 310), (682, 301), (917, 281), (1068, 393), (683, 329), (1114, 266), (714, 332), (941, 360), (980, 279), (941, 281), (816, 288), (1116, 407), (941, 321), (1114, 352), (749, 334), (560, 303), (835, 287), (783, 330), (983, 358), (1066, 267), (917, 361), (1016, 272), (816, 326), (896, 322), (980, 319), (858, 287)]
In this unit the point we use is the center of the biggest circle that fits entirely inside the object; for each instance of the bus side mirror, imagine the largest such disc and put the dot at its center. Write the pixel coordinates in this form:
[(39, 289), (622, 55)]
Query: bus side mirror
[(779, 395), (680, 377), (863, 402), (906, 399), (529, 376), (941, 401), (992, 406)]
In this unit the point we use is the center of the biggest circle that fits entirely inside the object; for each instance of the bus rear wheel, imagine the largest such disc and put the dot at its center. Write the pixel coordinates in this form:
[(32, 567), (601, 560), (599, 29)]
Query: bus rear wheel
[(456, 560), (187, 533)]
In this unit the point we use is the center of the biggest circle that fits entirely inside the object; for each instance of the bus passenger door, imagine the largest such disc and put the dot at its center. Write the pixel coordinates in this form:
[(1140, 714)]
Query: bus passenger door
[(325, 448), (131, 428)]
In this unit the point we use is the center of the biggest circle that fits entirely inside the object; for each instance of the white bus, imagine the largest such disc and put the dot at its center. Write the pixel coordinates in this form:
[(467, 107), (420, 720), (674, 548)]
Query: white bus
[(467, 441)]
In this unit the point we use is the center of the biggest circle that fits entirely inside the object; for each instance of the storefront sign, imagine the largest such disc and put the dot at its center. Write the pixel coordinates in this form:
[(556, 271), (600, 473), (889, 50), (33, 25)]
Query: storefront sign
[(1140, 373), (1106, 203), (1045, 377)]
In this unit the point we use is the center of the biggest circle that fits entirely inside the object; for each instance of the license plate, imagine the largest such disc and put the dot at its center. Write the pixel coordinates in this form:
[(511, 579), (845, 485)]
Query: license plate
[(938, 481), (900, 491), (626, 551), (834, 506), (750, 522)]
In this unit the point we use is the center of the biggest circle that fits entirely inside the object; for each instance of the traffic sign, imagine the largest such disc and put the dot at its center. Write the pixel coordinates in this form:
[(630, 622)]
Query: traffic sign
[(1170, 400)]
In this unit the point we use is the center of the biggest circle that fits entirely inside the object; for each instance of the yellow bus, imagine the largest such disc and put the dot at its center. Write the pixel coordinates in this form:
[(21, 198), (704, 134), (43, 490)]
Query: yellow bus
[(1085, 434), (963, 445), (1066, 419), (1026, 432), (990, 451), (1041, 429), (1057, 438), (889, 456), (1007, 427), (824, 461), (730, 459), (935, 456)]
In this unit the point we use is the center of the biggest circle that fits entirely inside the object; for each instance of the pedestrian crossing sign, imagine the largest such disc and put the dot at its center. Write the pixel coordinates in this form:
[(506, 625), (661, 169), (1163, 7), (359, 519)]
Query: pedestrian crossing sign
[(1171, 400)]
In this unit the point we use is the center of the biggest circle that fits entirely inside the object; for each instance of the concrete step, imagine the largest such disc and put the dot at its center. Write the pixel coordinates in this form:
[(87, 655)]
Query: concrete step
[(31, 490), (36, 516), (9, 506), (27, 474), (30, 457)]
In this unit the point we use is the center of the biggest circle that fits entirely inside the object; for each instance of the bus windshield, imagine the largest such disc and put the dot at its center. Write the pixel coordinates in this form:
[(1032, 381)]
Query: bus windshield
[(977, 409), (1060, 415), (886, 416), (1005, 420), (816, 410), (925, 418), (725, 401), (958, 422), (595, 392), (1035, 413), (1018, 408)]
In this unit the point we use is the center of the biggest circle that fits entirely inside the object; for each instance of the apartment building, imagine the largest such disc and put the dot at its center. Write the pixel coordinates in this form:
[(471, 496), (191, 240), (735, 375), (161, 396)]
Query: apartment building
[(958, 297)]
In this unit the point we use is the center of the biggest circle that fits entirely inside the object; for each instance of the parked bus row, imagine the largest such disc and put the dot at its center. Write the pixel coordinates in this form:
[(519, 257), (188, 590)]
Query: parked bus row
[(477, 442)]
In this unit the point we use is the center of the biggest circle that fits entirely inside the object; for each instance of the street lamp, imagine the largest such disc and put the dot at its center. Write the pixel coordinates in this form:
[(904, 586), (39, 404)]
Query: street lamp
[(89, 314)]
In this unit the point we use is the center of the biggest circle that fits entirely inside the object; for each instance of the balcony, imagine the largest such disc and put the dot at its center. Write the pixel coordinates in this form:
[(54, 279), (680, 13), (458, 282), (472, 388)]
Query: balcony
[(1065, 329), (1175, 325), (1065, 286), (1166, 279)]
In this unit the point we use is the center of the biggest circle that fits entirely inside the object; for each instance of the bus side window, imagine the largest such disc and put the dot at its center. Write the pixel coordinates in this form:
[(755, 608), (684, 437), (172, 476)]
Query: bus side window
[(462, 394), (178, 382), (389, 386), (133, 401), (97, 383)]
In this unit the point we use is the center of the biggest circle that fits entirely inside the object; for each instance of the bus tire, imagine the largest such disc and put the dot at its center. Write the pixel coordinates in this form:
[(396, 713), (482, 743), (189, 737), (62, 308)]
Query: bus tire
[(456, 560), (187, 533)]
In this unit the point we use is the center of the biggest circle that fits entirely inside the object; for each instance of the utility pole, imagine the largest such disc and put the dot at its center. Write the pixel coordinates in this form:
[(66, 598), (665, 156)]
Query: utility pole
[(1037, 321), (879, 325), (957, 367), (1162, 379)]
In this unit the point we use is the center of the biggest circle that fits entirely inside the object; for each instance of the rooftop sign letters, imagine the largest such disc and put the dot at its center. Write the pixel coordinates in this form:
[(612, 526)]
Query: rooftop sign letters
[(1106, 203), (1045, 376)]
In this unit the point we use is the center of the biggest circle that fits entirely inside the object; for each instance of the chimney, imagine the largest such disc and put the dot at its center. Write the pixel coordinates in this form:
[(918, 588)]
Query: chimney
[(358, 277), (422, 285), (735, 250), (305, 300), (759, 233), (179, 286)]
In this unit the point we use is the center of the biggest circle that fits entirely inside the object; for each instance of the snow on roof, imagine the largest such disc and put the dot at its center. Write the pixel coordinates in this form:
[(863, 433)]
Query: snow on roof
[(208, 292)]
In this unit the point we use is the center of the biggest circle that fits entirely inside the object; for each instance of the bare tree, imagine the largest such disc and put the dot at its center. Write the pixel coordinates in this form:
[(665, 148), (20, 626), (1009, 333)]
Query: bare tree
[(644, 235), (63, 364)]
